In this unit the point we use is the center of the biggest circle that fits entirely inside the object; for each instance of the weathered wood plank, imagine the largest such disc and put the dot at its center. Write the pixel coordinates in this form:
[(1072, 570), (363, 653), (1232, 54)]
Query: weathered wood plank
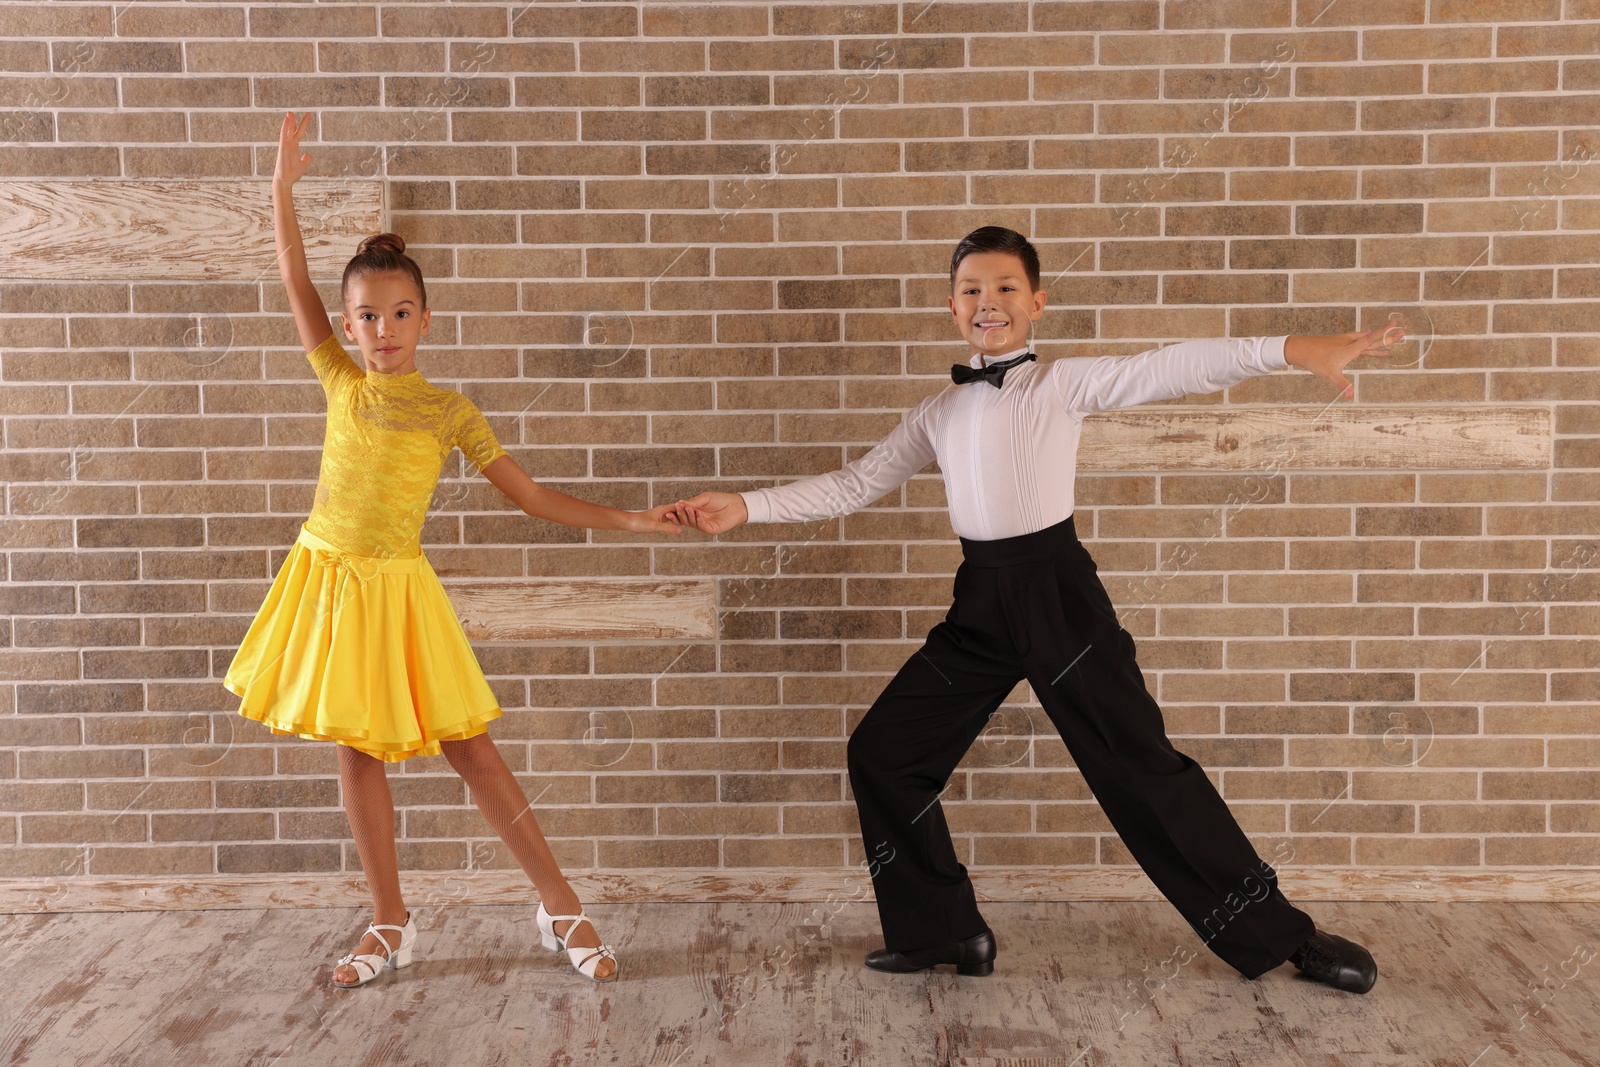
[(585, 611), (232, 892), (176, 230), (1363, 436)]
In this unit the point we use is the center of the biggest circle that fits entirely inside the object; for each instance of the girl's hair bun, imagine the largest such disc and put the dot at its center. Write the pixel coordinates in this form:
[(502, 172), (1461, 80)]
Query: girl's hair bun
[(382, 242), (382, 253)]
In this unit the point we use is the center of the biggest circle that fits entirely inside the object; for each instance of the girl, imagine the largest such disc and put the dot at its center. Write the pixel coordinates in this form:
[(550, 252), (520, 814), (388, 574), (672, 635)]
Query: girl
[(356, 641)]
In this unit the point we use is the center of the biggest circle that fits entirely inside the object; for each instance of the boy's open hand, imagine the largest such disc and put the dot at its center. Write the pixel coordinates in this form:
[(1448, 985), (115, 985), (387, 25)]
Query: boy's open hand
[(291, 164), (713, 513), (1327, 355), (661, 519)]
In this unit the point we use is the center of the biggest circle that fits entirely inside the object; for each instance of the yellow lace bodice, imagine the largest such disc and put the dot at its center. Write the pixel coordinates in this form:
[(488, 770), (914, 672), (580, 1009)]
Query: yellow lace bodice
[(387, 439)]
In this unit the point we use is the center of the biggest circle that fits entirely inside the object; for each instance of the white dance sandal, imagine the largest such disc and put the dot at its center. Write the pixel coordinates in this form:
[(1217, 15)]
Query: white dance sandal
[(585, 959), (369, 964)]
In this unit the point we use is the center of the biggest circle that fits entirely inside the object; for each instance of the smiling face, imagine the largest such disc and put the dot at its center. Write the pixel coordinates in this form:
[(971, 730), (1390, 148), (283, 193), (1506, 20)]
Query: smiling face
[(992, 302), (384, 315)]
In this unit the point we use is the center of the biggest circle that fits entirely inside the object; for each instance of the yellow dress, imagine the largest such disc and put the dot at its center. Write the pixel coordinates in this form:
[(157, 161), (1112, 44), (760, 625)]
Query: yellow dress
[(356, 641)]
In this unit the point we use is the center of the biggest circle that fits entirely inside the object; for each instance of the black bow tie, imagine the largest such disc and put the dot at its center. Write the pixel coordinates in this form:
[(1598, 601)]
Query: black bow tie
[(994, 373)]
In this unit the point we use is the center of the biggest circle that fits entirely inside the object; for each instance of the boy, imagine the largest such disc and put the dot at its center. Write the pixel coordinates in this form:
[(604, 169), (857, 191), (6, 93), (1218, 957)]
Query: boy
[(1028, 604)]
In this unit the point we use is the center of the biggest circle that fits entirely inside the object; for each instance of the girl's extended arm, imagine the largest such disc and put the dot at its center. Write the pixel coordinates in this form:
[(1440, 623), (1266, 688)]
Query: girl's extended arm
[(310, 317), (542, 503)]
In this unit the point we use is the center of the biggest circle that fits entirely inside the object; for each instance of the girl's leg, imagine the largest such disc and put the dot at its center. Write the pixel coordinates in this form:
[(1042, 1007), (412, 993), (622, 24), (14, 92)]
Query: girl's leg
[(498, 796), (365, 783)]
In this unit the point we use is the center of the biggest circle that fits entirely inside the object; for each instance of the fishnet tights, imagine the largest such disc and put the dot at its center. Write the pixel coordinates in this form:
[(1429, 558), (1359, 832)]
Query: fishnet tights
[(370, 808)]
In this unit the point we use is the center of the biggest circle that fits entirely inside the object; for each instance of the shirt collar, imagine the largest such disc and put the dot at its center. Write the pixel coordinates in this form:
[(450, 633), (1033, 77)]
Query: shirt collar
[(979, 360)]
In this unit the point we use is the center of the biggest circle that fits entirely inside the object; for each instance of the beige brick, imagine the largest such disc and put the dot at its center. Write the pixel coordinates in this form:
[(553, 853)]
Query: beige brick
[(473, 21), (716, 90), (676, 852), (1513, 77), (132, 57), (32, 162), (829, 20), (772, 55), (1411, 852), (1050, 51), (473, 57), (1572, 818), (1548, 40), (1541, 851), (1095, 85), (662, 56), (574, 21), (773, 124), (783, 853), (1020, 851), (341, 20), (1164, 188), (871, 87), (56, 22), (1288, 116), (257, 858)]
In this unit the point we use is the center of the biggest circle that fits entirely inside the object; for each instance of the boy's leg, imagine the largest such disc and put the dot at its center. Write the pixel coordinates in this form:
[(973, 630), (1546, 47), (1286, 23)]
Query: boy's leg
[(902, 754), (1081, 665)]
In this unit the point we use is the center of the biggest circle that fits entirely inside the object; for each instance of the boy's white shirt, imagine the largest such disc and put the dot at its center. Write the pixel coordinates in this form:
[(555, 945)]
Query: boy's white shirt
[(1009, 456)]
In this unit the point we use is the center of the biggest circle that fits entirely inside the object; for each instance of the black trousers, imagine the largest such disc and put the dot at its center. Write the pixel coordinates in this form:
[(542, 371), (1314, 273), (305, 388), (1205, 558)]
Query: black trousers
[(1033, 607)]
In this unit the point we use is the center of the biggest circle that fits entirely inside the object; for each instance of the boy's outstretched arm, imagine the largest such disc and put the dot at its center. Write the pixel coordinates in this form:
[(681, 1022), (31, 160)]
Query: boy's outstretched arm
[(310, 317), (906, 450), (1106, 383)]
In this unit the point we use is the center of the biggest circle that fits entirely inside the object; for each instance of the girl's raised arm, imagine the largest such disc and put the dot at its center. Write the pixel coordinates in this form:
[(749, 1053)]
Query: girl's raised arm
[(310, 317)]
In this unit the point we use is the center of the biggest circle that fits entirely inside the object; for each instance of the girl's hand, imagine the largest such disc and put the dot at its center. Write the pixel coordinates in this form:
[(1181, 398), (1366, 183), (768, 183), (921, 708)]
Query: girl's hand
[(1326, 356), (662, 519), (714, 513), (291, 164)]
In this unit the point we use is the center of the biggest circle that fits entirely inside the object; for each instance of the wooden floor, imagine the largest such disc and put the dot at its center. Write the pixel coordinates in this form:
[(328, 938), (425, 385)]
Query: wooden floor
[(1466, 985)]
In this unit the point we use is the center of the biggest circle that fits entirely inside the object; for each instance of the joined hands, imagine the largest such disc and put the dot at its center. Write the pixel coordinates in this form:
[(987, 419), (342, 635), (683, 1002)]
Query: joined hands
[(660, 519), (712, 513)]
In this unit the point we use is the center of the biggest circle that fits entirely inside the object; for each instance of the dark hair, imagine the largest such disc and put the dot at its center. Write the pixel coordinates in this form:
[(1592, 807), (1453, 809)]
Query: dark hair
[(382, 253), (997, 239)]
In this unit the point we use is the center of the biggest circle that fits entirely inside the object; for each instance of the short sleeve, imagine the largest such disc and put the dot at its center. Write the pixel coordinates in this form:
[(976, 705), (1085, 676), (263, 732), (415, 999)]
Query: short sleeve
[(335, 369), (473, 436)]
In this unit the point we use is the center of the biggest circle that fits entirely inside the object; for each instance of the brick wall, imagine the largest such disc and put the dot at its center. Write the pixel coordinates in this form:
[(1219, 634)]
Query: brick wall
[(675, 246)]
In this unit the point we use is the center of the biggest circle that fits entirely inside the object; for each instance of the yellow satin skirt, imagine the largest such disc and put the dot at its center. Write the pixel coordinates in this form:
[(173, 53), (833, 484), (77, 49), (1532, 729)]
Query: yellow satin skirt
[(360, 650)]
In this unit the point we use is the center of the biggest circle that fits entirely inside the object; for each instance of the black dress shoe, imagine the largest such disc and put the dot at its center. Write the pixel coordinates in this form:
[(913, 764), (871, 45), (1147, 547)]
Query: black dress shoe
[(974, 956), (1337, 961)]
